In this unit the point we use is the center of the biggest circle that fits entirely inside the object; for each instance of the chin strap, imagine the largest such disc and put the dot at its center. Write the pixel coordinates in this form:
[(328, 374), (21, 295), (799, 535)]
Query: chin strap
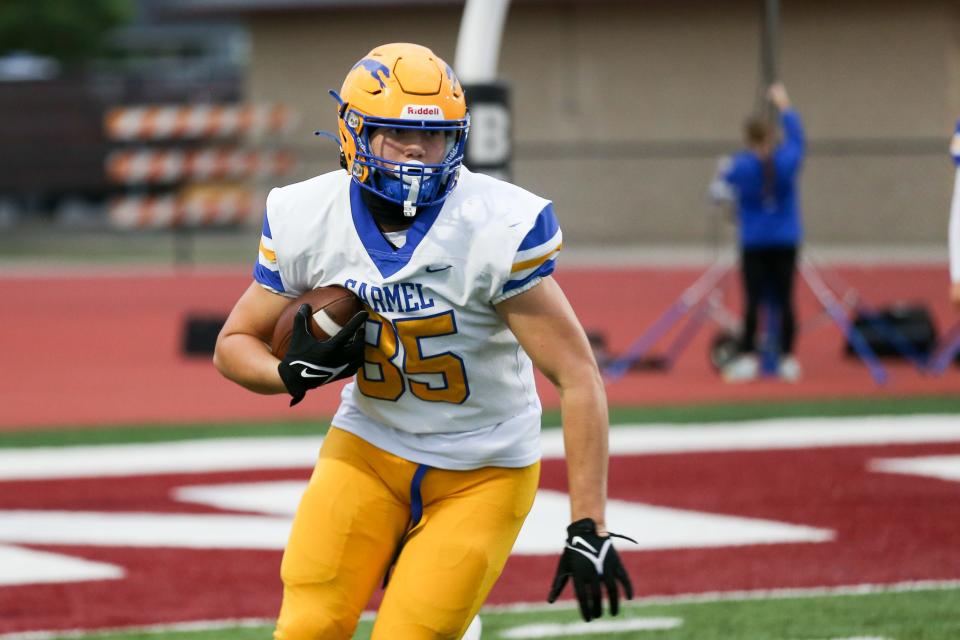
[(413, 176)]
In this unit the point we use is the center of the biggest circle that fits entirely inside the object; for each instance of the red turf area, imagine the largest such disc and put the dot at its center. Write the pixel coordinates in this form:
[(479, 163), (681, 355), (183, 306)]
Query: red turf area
[(105, 349), (888, 528)]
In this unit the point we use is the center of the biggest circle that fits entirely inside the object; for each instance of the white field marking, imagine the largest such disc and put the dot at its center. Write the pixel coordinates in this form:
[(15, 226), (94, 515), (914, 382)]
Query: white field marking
[(196, 625), (652, 527), (744, 596), (534, 607), (183, 456), (276, 498), (127, 529), (657, 527), (940, 467), (237, 454), (862, 638), (578, 629), (199, 625), (26, 566), (781, 433)]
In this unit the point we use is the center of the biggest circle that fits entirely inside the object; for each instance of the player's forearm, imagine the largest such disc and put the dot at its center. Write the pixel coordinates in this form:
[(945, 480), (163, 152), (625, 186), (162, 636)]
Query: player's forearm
[(585, 437), (247, 361)]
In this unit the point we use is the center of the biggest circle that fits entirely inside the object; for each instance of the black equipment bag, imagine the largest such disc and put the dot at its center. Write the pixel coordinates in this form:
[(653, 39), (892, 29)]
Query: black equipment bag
[(200, 333), (891, 330)]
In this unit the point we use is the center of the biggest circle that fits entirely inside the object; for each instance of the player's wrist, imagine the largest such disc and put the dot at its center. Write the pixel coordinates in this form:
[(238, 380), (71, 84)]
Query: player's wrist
[(587, 526), (292, 382)]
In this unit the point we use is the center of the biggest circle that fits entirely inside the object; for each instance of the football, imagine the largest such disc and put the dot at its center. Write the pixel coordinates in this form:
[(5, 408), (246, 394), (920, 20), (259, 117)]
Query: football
[(332, 308)]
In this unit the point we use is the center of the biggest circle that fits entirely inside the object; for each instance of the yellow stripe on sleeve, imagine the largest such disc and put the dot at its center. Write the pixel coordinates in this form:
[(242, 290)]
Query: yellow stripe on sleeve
[(269, 254), (535, 262)]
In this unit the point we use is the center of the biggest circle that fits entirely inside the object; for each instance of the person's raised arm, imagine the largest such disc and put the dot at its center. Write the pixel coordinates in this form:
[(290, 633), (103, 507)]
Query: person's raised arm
[(793, 147)]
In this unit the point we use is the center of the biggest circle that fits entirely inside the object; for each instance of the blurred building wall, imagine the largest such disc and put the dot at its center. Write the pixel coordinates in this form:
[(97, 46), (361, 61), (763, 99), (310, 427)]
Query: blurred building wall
[(621, 109)]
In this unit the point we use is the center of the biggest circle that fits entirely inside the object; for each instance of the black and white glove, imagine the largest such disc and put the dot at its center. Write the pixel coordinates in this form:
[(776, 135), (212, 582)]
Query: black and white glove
[(589, 560), (310, 363)]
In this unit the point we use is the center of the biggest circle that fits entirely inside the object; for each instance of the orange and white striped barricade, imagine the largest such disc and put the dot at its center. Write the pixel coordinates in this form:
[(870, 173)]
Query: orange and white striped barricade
[(194, 208), (190, 122), (162, 166)]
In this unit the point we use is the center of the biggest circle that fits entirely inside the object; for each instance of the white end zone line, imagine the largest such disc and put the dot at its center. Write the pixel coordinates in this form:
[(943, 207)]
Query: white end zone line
[(694, 598), (237, 454), (580, 629)]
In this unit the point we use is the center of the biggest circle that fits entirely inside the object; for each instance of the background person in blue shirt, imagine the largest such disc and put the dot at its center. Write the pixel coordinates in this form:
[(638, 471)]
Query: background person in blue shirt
[(763, 181)]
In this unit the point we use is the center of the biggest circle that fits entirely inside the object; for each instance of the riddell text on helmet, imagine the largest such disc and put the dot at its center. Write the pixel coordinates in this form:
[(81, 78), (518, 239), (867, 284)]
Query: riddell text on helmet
[(422, 112)]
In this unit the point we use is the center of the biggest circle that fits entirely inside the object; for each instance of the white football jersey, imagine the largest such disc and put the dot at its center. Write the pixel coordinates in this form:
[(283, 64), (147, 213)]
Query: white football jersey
[(445, 382)]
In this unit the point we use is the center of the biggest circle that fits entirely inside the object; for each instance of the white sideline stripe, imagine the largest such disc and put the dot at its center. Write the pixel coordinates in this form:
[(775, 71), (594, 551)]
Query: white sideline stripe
[(577, 629), (781, 433), (939, 467), (184, 456), (236, 454), (199, 625), (862, 638), (744, 596), (127, 529), (528, 607), (27, 566)]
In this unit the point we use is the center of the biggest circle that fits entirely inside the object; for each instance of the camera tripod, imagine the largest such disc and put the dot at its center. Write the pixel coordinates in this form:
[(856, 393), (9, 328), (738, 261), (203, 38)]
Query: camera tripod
[(702, 303)]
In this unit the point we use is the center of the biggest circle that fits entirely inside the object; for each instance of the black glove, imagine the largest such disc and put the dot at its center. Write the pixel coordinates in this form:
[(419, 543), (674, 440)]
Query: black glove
[(310, 363), (589, 559)]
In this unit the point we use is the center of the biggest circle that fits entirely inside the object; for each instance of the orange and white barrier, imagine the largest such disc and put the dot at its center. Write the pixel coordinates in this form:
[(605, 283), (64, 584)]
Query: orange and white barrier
[(195, 121), (149, 166), (203, 208)]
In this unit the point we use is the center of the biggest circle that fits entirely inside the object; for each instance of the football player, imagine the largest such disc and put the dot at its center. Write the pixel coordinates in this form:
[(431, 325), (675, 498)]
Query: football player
[(432, 460)]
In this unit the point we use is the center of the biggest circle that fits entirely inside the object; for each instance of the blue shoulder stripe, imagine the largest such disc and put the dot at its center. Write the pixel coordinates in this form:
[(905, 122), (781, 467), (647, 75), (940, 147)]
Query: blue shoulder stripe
[(542, 272), (268, 278), (545, 228), (955, 145), (266, 226)]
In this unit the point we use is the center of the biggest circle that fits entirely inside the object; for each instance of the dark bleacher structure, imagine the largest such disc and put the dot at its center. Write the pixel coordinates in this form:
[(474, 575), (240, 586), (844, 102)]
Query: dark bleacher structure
[(52, 130)]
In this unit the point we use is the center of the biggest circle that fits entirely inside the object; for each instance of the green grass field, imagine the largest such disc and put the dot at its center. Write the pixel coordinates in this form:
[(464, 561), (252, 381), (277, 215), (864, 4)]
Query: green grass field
[(921, 614)]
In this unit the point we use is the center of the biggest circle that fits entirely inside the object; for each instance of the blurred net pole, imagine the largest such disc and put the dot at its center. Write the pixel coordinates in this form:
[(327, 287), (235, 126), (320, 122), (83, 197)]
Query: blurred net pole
[(489, 147), (769, 54)]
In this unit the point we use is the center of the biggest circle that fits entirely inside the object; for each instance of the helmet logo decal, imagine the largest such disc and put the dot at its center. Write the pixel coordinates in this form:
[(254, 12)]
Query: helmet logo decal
[(375, 68), (421, 112)]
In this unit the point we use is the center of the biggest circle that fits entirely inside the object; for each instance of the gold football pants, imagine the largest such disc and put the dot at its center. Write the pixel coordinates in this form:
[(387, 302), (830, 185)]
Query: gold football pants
[(362, 505)]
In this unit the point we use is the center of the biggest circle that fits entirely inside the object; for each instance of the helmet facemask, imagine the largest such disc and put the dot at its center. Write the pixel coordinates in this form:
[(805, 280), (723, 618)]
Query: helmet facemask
[(413, 183)]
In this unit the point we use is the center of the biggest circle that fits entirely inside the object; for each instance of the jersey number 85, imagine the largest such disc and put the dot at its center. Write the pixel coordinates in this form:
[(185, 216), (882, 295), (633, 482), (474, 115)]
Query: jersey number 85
[(446, 368)]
